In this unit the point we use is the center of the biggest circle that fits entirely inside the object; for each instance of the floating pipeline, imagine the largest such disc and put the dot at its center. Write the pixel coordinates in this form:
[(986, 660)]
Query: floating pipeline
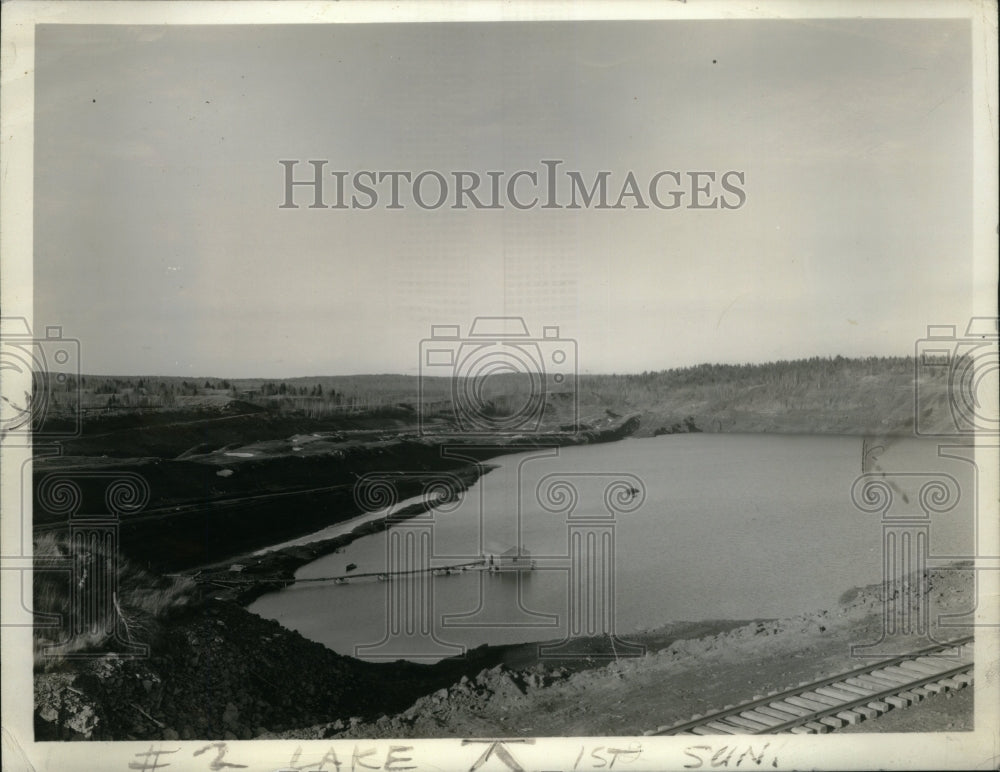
[(259, 574)]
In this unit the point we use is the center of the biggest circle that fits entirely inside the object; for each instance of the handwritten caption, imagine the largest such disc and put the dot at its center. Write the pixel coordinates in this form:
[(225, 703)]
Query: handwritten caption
[(735, 755), (361, 757)]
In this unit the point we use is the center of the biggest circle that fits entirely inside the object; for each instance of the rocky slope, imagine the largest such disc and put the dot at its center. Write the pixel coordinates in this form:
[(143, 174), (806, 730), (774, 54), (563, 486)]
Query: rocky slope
[(218, 673)]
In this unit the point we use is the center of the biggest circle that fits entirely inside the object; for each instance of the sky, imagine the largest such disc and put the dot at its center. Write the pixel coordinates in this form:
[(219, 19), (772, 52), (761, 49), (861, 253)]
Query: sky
[(160, 243)]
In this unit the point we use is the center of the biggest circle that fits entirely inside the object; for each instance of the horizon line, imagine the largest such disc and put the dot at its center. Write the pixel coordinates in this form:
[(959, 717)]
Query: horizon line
[(397, 374)]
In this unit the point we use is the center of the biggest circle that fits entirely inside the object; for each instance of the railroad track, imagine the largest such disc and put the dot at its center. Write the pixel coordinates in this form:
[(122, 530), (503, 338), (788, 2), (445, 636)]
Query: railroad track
[(846, 698)]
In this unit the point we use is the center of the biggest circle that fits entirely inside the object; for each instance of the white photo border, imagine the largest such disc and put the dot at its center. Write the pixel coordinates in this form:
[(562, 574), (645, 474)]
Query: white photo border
[(966, 750)]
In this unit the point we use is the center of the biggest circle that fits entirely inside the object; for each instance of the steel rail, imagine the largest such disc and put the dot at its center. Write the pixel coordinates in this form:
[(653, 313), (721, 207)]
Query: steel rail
[(832, 710)]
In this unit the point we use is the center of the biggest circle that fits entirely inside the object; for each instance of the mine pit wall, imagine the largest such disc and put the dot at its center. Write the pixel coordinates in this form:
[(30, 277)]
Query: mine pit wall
[(196, 517)]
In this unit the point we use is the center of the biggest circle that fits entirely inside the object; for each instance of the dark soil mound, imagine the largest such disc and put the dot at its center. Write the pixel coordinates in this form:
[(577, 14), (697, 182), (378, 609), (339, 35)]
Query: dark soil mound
[(219, 673)]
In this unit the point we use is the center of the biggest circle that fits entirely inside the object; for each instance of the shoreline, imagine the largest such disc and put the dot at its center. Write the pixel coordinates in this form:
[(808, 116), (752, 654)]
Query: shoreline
[(310, 611), (335, 529), (506, 690), (252, 658), (264, 569), (260, 573), (688, 668), (206, 507)]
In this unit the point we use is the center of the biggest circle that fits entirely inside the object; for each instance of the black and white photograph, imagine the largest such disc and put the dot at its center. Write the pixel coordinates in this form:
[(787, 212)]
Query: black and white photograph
[(499, 386)]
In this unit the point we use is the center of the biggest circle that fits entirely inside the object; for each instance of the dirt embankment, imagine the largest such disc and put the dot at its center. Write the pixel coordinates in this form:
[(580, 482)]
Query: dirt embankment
[(223, 672), (218, 673), (677, 677), (251, 576), (217, 501)]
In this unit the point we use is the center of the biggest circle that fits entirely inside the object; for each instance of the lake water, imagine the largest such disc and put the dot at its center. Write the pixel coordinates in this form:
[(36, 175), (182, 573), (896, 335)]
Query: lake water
[(721, 527)]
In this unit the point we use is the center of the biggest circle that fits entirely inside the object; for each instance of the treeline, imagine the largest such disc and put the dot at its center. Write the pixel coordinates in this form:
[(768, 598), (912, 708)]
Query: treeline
[(310, 396), (390, 388), (771, 379), (95, 391), (146, 386), (834, 392)]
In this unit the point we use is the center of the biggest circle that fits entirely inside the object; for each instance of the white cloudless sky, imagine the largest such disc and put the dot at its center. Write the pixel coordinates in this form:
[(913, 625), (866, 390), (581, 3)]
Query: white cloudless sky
[(160, 244)]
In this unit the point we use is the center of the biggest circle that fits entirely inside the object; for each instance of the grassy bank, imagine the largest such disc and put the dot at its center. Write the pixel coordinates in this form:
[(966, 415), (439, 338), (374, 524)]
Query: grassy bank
[(124, 604)]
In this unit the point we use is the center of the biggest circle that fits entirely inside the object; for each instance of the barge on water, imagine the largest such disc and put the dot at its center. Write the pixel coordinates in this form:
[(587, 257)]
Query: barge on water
[(514, 559)]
